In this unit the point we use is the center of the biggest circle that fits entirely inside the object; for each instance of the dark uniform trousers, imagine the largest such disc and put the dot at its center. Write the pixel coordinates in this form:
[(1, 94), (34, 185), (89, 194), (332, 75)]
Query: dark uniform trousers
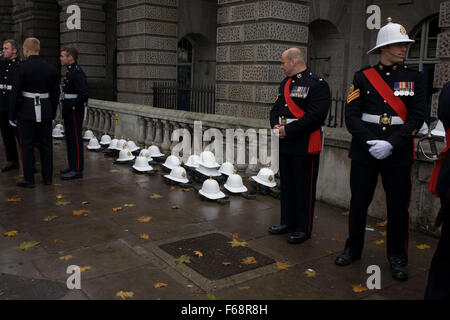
[(73, 121), (298, 178), (9, 138), (397, 186), (28, 130)]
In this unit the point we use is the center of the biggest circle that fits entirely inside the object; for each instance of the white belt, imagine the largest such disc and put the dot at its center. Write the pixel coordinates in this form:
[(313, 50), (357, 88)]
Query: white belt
[(5, 87), (37, 102), (287, 120), (34, 95), (65, 96), (383, 119)]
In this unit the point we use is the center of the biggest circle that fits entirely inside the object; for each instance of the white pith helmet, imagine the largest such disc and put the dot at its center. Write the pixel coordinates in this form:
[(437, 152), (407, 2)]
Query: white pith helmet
[(193, 161), (227, 168), (208, 160), (60, 127), (171, 162), (113, 144), (265, 177), (125, 155), (154, 151), (146, 154), (88, 135), (122, 145), (391, 33), (439, 130), (132, 146), (208, 172), (57, 133), (105, 140), (234, 184), (93, 144), (178, 174), (141, 164), (211, 190)]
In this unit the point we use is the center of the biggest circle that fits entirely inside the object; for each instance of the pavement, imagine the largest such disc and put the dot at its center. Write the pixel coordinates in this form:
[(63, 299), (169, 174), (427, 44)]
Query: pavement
[(122, 257)]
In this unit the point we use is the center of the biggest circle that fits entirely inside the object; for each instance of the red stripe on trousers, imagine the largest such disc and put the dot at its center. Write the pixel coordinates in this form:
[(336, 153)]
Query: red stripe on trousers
[(76, 138), (21, 147), (310, 195)]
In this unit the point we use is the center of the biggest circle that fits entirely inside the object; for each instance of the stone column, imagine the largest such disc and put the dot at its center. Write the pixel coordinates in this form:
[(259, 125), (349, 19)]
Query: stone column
[(251, 37), (90, 42), (147, 46), (7, 25), (442, 71), (38, 19)]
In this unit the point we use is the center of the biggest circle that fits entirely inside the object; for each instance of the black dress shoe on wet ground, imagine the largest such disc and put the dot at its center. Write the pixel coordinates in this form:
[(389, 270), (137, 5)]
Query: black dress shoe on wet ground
[(10, 166), (64, 171), (346, 258), (71, 175), (298, 237), (24, 184), (398, 268), (279, 229)]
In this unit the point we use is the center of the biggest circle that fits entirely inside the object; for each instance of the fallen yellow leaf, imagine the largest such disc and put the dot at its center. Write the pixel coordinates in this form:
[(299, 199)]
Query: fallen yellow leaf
[(58, 241), (329, 252), (237, 243), (145, 219), (175, 207), (138, 183), (243, 288), (57, 185), (114, 171), (160, 285), (83, 269), (14, 200), (11, 233), (198, 254), (62, 203), (346, 213), (358, 288), (368, 226), (49, 218), (155, 196), (28, 245), (85, 202), (80, 212), (59, 196), (129, 205), (310, 273), (379, 242), (383, 233), (382, 224), (183, 259), (186, 190), (125, 294), (283, 265), (423, 247), (172, 188), (116, 209), (65, 258), (249, 260), (144, 236)]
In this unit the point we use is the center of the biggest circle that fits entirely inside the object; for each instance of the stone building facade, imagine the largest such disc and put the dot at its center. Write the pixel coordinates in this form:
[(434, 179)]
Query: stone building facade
[(128, 46)]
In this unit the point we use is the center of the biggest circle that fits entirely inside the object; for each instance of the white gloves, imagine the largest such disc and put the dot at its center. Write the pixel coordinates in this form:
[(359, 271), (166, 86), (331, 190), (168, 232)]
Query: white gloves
[(380, 149), (13, 123)]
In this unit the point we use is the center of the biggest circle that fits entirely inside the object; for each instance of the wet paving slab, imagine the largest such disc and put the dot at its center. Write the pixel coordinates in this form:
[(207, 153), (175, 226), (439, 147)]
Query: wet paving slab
[(96, 221)]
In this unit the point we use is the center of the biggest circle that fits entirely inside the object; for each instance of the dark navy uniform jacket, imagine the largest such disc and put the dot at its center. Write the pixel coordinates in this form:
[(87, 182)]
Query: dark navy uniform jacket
[(316, 104), (443, 183), (370, 101), (75, 83), (7, 69), (34, 75)]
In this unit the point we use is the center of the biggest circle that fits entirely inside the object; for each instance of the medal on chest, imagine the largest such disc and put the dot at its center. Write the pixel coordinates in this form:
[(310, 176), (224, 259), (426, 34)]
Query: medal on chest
[(404, 89), (299, 92)]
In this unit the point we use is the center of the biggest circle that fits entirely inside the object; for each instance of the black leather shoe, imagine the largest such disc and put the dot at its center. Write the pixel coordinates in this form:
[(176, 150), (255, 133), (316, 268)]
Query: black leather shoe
[(72, 175), (279, 229), (10, 166), (346, 258), (298, 237), (24, 184), (64, 171), (398, 268)]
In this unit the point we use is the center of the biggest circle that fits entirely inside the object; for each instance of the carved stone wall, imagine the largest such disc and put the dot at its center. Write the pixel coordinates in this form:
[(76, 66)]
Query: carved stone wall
[(147, 46), (7, 25), (251, 36)]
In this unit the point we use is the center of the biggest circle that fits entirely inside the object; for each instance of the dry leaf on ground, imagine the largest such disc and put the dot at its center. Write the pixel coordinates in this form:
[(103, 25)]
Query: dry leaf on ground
[(283, 265), (237, 243), (226, 264), (49, 218), (125, 294), (114, 171), (85, 202), (243, 288), (116, 209), (175, 207), (346, 213), (144, 219), (183, 259), (65, 258), (379, 242), (83, 269), (60, 196), (144, 236), (80, 212), (11, 233), (172, 188), (423, 247), (186, 189), (310, 273), (129, 205), (358, 288), (382, 224), (14, 200), (62, 203), (28, 245), (58, 241), (198, 254), (160, 285), (329, 252), (249, 260), (383, 233), (155, 196)]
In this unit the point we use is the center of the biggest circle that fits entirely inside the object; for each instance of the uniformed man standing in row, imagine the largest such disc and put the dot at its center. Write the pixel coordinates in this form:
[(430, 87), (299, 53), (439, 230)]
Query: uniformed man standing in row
[(34, 100), (74, 98), (7, 69), (385, 109), (439, 277), (298, 114)]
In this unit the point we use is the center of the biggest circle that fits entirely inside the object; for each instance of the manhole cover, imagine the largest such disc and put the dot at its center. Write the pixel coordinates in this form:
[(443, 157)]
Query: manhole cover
[(220, 259)]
